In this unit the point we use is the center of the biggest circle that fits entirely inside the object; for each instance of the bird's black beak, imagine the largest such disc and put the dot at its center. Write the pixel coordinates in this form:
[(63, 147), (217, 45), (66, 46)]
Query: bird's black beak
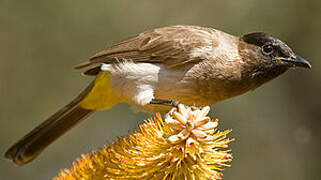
[(298, 61)]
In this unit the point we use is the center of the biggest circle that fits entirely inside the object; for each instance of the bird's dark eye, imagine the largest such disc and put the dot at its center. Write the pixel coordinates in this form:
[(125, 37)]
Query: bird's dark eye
[(267, 49)]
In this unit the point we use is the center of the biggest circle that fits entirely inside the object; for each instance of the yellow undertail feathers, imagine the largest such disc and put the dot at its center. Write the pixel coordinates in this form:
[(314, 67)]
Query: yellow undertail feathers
[(101, 96)]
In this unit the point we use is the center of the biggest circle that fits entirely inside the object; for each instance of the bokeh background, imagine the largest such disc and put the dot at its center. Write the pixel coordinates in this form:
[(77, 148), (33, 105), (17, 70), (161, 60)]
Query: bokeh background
[(277, 127)]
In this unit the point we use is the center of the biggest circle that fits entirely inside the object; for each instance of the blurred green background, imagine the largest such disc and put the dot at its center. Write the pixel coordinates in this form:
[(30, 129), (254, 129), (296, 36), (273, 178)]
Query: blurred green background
[(277, 127)]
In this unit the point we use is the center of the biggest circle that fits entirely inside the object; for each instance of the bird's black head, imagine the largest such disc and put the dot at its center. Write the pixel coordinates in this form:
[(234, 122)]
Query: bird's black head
[(274, 52), (265, 57)]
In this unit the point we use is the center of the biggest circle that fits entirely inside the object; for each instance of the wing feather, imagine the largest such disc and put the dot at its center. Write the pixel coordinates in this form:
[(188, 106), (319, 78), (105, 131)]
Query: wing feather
[(171, 46)]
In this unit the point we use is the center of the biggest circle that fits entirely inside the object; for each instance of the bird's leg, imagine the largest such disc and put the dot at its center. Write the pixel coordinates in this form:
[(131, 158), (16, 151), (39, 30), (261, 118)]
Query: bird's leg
[(171, 103), (165, 102)]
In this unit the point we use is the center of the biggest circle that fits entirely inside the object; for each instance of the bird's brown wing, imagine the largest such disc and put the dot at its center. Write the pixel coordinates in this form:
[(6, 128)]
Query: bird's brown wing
[(171, 46)]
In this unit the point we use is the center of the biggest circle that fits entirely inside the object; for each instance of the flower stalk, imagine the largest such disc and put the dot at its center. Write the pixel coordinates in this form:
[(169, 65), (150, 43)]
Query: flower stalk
[(186, 144)]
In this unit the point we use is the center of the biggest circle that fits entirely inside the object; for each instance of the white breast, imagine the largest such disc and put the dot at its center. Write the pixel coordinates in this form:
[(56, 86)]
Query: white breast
[(138, 83)]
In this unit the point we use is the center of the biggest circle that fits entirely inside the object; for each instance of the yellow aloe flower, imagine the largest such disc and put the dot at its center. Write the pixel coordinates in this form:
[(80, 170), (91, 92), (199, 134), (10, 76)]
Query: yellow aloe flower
[(186, 145)]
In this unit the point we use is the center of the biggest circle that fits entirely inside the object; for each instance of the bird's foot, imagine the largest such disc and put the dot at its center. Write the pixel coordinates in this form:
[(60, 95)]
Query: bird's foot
[(165, 102), (172, 103)]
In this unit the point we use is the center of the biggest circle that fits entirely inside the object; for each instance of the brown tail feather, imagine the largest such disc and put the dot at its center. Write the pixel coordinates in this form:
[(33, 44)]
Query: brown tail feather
[(31, 145)]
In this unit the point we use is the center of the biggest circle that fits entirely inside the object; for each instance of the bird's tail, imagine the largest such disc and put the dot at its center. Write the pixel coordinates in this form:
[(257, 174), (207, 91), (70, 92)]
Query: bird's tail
[(31, 145)]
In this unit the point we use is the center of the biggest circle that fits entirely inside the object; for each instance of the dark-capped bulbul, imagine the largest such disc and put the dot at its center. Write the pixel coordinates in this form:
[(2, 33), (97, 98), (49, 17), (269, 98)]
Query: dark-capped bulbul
[(192, 65)]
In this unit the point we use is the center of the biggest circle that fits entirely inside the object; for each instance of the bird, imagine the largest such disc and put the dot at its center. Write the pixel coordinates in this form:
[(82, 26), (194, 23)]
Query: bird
[(162, 67)]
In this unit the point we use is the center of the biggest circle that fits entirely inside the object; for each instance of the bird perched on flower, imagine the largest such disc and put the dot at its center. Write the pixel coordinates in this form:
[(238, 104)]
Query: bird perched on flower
[(188, 64), (185, 144)]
